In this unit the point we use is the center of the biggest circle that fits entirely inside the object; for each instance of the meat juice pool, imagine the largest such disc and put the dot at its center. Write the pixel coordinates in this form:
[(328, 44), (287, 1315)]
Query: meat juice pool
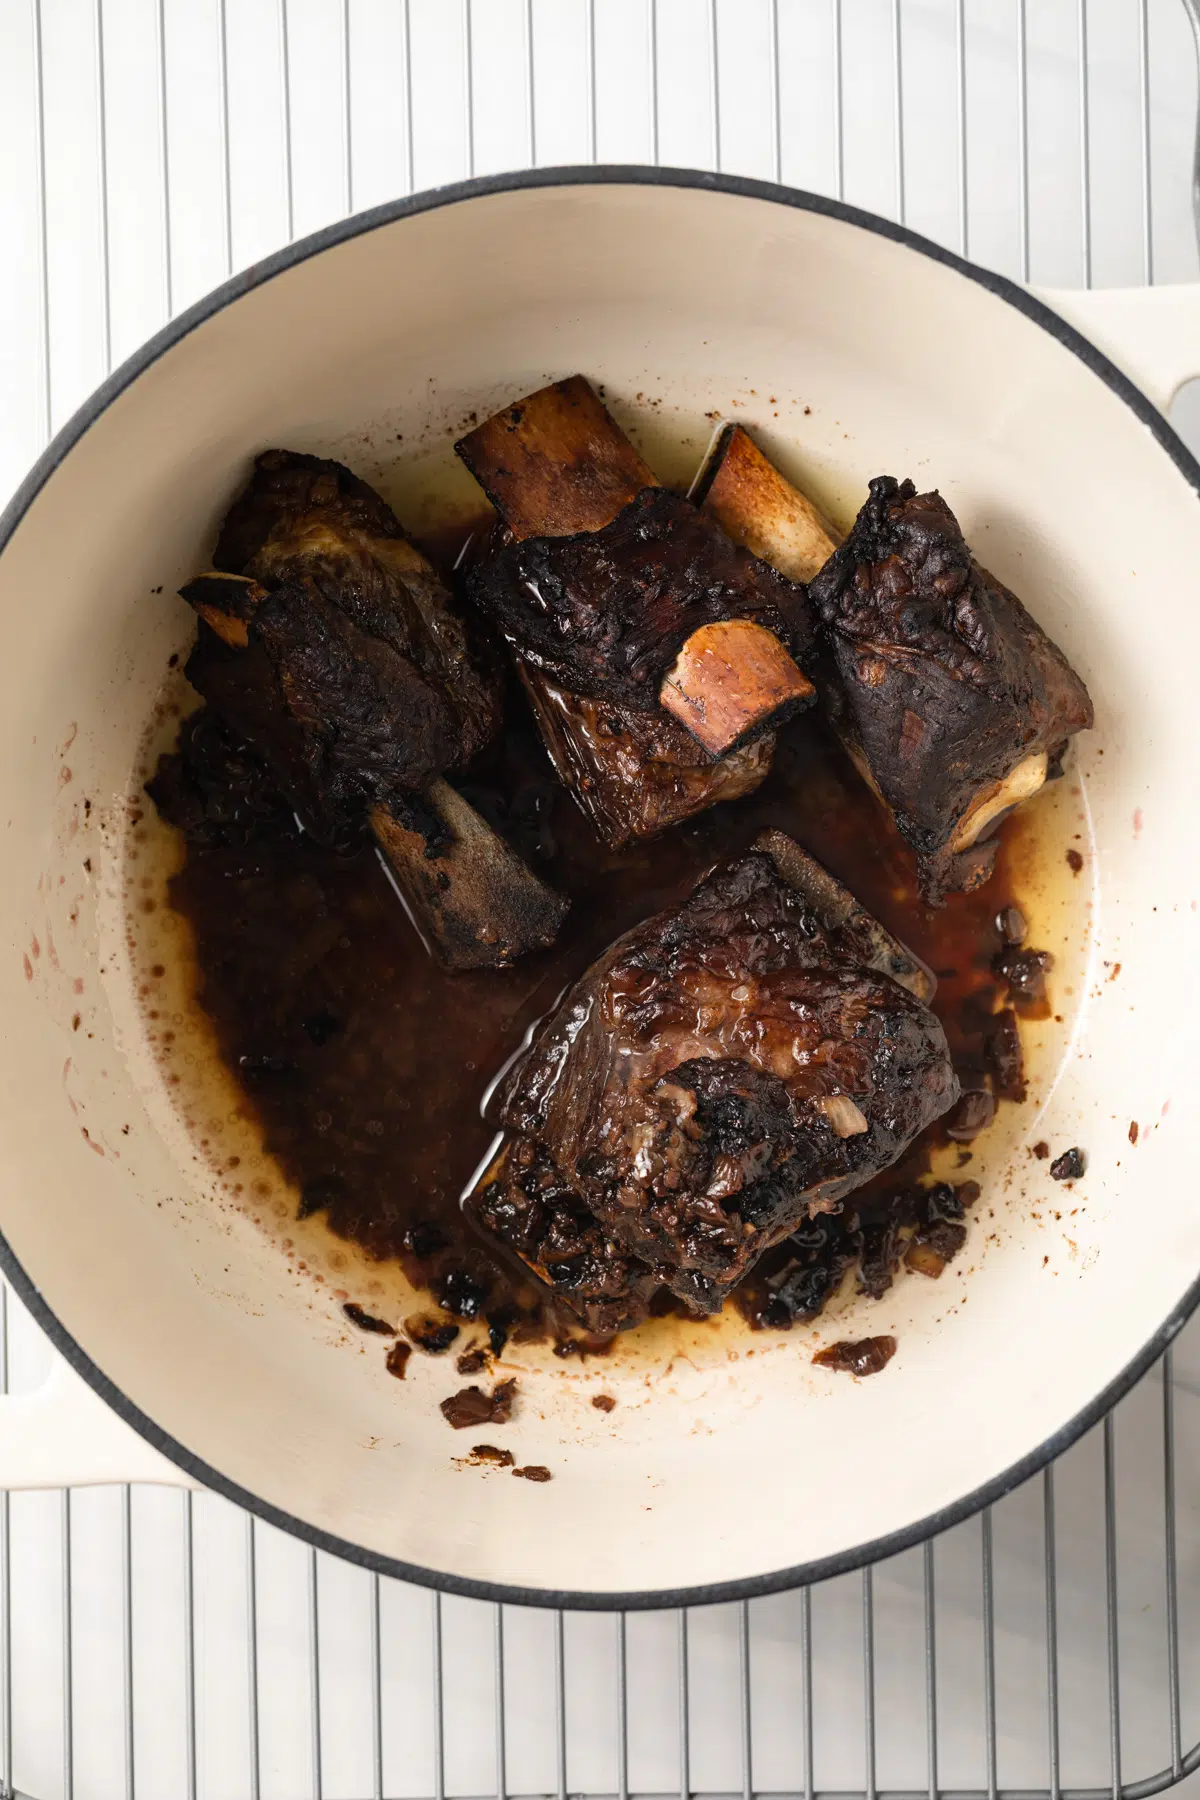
[(331, 1076)]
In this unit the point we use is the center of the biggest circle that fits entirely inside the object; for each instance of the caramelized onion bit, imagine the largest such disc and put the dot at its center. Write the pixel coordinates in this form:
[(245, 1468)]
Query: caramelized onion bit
[(845, 1118)]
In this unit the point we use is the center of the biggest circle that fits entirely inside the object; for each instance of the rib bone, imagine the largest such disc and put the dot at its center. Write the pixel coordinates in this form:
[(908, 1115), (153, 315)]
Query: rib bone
[(556, 464), (473, 901)]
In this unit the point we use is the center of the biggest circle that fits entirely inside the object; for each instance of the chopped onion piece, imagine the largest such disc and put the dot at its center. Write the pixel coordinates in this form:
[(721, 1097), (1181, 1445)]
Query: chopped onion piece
[(845, 1118)]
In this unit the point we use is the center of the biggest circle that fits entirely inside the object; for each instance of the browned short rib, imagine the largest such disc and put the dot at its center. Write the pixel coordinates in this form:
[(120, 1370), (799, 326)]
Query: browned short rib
[(556, 464), (472, 900), (974, 667)]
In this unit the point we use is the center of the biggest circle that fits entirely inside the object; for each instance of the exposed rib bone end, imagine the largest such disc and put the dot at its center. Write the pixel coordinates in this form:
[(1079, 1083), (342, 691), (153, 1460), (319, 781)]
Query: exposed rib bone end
[(969, 858), (555, 462), (758, 507), (999, 797), (476, 904), (226, 603), (732, 681)]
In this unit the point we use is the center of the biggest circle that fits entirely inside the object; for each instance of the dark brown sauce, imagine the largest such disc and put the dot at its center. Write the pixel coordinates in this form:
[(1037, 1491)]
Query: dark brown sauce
[(366, 1065)]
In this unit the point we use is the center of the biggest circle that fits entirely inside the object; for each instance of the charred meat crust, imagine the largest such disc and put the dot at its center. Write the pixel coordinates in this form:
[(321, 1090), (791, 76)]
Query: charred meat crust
[(852, 930), (347, 692), (286, 486), (242, 692), (528, 1206), (320, 699), (873, 1238), (721, 1073), (342, 661), (606, 613), (634, 774), (945, 684), (216, 790), (307, 522), (858, 1356)]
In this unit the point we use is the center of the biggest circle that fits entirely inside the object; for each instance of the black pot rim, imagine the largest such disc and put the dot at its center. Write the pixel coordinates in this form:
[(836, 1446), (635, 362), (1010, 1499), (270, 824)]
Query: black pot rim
[(590, 175)]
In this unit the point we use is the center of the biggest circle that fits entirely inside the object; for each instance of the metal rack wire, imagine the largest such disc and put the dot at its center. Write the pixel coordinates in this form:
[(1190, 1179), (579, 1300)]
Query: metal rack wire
[(157, 1643)]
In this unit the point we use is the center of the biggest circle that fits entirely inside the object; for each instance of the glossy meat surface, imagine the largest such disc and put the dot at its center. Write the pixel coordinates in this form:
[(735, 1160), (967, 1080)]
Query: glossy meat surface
[(526, 1204), (945, 683), (721, 1073), (605, 613), (635, 774)]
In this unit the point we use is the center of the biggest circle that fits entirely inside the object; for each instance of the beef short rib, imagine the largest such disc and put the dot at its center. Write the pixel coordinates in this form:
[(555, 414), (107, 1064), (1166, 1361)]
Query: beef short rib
[(635, 774), (524, 1202), (309, 523), (329, 644), (651, 744), (951, 698), (606, 613), (724, 1071)]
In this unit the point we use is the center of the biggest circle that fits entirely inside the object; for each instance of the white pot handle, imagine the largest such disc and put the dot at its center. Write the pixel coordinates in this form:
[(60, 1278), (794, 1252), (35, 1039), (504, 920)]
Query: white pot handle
[(1151, 333), (63, 1435)]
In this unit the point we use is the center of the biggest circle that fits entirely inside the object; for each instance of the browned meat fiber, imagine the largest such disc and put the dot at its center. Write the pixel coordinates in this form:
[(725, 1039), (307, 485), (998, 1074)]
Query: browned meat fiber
[(533, 1210), (471, 1406), (323, 699), (945, 685), (874, 1233), (634, 774), (721, 1074), (308, 522), (858, 1356), (358, 1315), (334, 650), (356, 679)]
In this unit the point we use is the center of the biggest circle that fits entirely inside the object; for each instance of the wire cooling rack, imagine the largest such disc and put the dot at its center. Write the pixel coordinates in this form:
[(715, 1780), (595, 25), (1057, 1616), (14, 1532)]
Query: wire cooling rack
[(162, 1644)]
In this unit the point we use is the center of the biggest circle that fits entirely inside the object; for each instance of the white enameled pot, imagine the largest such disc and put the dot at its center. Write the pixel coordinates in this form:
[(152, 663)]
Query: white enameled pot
[(730, 1464)]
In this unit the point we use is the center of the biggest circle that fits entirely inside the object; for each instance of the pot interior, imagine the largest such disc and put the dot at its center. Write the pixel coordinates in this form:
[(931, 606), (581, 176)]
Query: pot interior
[(850, 354)]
